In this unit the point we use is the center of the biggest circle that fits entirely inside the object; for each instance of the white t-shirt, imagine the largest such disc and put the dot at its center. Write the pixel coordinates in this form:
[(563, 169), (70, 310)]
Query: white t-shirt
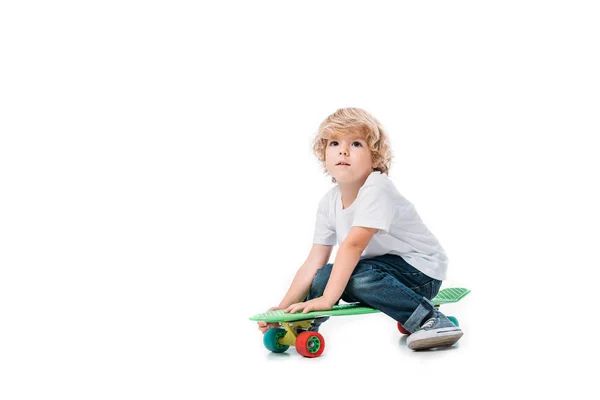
[(400, 229)]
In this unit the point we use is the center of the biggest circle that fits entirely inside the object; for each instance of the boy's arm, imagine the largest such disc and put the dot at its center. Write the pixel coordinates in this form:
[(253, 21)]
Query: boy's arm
[(318, 256), (347, 257), (345, 261)]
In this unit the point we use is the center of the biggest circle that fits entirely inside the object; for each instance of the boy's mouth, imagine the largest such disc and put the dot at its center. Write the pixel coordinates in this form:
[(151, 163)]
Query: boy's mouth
[(342, 163)]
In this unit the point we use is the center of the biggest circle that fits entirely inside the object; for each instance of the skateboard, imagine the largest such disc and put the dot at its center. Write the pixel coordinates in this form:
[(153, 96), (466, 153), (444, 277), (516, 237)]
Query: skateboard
[(294, 327)]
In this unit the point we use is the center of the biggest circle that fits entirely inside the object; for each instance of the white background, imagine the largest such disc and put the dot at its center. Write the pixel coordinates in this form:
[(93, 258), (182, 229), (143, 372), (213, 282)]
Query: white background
[(157, 188)]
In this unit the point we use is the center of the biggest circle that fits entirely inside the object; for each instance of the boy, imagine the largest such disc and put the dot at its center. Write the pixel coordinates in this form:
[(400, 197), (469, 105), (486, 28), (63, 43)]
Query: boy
[(387, 258)]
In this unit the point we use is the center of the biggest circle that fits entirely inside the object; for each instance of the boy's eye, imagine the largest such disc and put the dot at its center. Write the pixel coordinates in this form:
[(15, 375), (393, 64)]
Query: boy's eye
[(335, 143)]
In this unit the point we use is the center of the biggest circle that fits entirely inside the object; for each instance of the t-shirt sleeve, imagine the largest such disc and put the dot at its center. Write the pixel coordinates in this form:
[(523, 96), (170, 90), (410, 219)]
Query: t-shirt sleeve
[(324, 229), (375, 209)]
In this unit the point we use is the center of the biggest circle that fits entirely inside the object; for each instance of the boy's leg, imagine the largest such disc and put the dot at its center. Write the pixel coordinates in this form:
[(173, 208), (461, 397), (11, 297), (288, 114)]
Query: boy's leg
[(394, 287), (391, 285), (380, 295)]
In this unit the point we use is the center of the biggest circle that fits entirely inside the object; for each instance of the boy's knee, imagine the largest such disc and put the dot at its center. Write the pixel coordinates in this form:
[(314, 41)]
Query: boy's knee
[(363, 282)]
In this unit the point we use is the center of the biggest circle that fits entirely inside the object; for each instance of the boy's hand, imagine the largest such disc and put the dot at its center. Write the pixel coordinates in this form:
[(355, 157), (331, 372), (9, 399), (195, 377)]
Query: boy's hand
[(264, 326), (318, 304)]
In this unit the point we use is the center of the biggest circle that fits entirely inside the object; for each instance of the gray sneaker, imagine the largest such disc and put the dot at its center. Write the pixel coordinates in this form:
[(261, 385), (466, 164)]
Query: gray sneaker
[(437, 331)]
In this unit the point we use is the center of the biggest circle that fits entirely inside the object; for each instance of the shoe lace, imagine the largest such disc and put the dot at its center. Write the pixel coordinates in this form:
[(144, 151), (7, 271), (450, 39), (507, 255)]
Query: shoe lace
[(429, 323)]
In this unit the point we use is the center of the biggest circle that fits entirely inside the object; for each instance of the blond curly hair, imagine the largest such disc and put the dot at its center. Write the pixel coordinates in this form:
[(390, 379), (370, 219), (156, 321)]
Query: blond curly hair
[(355, 120)]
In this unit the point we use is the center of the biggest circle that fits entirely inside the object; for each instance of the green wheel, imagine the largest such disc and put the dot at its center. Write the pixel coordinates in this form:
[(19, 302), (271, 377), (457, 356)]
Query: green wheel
[(454, 320), (271, 340)]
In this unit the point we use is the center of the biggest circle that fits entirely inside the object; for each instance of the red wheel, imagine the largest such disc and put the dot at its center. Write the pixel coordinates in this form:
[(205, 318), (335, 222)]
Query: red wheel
[(310, 344), (402, 330)]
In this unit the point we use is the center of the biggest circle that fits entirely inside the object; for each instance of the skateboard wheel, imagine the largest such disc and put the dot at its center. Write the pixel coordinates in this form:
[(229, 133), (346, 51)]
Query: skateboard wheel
[(454, 320), (402, 330), (310, 344), (271, 340)]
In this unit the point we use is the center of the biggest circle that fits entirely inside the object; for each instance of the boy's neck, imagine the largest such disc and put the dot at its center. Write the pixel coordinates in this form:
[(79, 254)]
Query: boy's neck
[(349, 191)]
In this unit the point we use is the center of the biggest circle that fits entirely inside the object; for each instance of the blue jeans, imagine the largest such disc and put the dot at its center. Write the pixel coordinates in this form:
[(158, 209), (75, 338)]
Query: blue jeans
[(388, 284)]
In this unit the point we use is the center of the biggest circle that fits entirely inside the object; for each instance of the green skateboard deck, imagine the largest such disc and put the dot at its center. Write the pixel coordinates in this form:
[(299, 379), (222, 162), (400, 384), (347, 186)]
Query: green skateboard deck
[(445, 296)]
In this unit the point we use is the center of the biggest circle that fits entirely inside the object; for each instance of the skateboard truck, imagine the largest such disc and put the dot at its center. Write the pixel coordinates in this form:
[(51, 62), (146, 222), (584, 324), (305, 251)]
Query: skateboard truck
[(290, 338)]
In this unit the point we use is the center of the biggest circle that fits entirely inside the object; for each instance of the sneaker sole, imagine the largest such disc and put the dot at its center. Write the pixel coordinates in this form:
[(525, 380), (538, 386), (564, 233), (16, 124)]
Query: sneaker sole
[(443, 339)]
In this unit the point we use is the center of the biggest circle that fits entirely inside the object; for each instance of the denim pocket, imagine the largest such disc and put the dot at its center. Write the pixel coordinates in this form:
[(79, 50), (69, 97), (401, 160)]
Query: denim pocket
[(414, 279), (429, 289)]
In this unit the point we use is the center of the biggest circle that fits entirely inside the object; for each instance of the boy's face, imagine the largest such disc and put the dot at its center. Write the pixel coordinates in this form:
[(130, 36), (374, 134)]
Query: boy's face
[(348, 158)]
